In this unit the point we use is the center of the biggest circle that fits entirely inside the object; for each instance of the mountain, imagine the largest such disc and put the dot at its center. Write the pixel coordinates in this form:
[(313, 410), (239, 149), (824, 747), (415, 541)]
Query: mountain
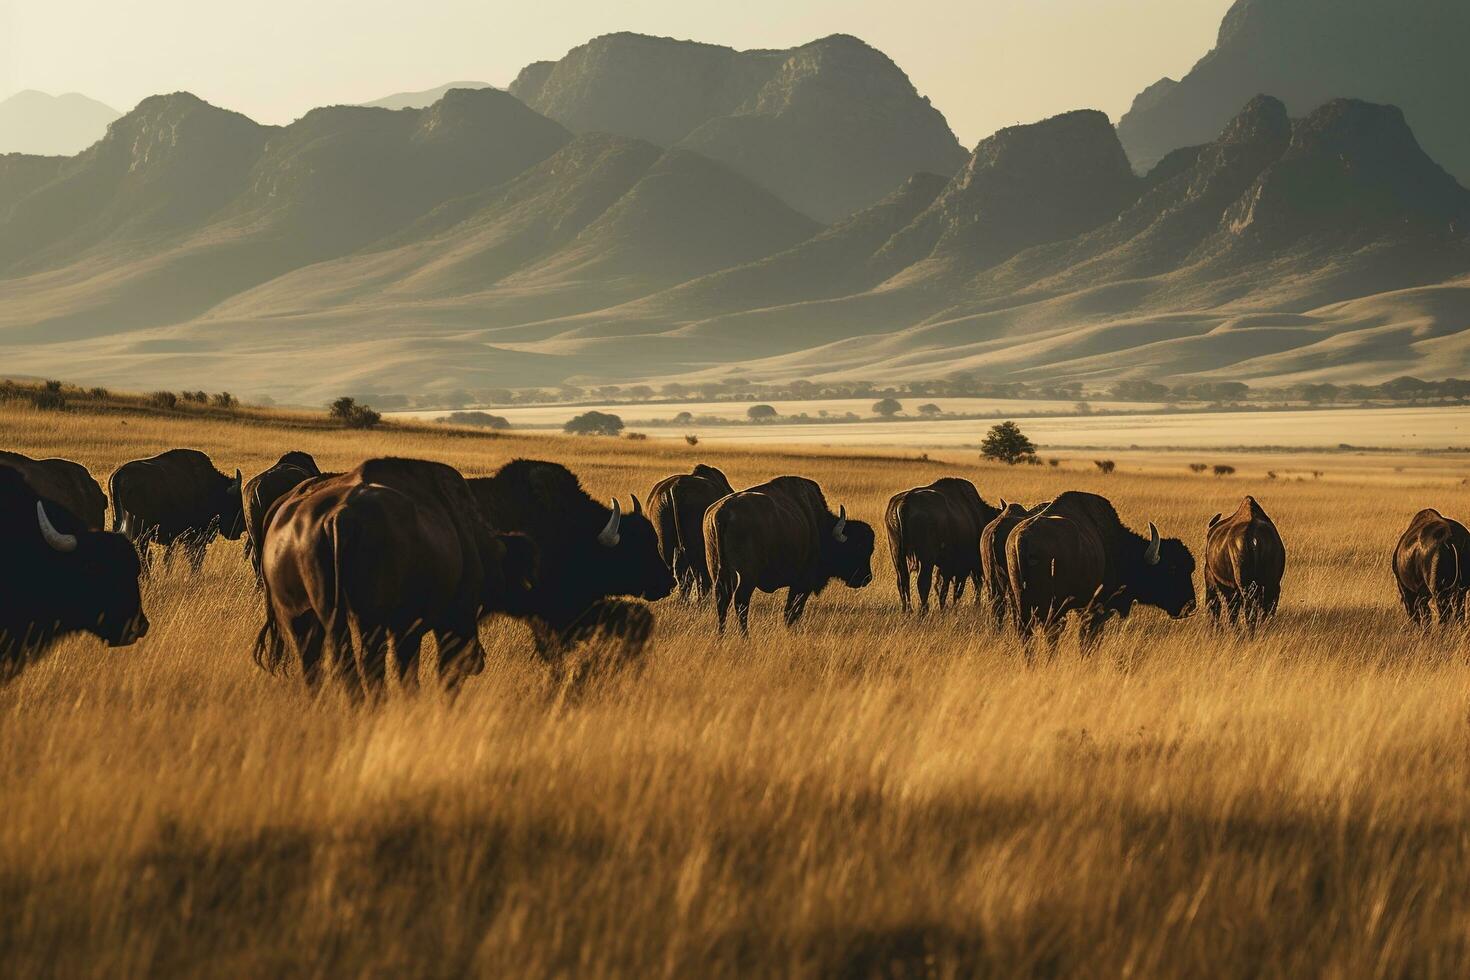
[(51, 125), (1408, 53), (423, 99), (830, 127)]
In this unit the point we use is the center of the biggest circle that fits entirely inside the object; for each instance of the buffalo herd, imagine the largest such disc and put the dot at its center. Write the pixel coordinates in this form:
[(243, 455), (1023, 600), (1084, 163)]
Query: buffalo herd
[(354, 567)]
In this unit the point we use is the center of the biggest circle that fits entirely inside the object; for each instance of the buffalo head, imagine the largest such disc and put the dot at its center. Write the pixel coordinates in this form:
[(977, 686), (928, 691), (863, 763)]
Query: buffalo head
[(100, 571)]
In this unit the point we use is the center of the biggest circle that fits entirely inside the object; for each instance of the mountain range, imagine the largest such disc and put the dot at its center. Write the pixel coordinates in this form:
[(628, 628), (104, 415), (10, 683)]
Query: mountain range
[(640, 210), (51, 125)]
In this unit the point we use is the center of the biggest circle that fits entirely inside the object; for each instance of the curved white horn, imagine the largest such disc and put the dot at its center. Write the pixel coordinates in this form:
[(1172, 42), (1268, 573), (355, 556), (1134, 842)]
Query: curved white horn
[(1151, 555), (609, 538), (64, 543), (637, 507), (841, 525)]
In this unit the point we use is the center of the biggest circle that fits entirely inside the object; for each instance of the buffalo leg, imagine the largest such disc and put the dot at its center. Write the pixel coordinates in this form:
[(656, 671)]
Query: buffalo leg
[(997, 600), (795, 606), (1212, 603), (374, 662), (406, 648), (344, 659), (901, 572), (1089, 628), (743, 595), (460, 655), (723, 594), (310, 641), (926, 582), (945, 582)]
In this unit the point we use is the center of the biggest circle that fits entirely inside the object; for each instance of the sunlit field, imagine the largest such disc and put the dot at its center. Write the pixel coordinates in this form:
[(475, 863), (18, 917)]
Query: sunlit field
[(870, 795)]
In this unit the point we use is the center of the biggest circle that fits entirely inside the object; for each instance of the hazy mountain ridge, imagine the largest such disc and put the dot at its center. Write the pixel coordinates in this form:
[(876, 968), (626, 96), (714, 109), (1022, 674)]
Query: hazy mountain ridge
[(1408, 53), (38, 124), (830, 127)]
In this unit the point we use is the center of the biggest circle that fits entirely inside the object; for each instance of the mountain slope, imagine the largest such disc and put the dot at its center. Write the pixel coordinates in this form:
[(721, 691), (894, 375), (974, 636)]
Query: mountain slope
[(830, 127), (1409, 53), (422, 99), (46, 125)]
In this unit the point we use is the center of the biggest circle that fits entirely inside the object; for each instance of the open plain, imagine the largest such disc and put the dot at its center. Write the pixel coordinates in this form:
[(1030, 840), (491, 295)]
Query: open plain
[(872, 794)]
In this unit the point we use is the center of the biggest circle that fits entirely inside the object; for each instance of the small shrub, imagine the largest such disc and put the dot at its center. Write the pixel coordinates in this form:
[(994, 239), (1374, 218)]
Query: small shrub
[(1105, 466), (636, 436), (225, 400), (48, 399), (9, 391), (164, 400), (1222, 469), (691, 439), (761, 413), (483, 420), (354, 416), (1053, 463), (100, 394), (1197, 467), (197, 397), (54, 387), (1270, 474)]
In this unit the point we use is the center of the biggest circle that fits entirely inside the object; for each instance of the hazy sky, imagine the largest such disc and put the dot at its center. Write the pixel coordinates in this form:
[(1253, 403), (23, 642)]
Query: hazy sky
[(984, 63)]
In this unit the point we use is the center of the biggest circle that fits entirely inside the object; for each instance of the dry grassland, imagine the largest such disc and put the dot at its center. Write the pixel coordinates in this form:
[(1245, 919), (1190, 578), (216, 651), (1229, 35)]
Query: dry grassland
[(870, 795)]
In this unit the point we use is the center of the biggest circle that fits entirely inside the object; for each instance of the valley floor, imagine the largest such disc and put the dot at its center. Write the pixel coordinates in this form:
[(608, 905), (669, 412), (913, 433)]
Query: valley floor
[(873, 794)]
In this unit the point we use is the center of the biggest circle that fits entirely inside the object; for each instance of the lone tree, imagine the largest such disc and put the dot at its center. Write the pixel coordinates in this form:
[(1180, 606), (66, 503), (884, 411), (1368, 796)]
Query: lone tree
[(887, 407), (1006, 443), (760, 413), (930, 410), (594, 424), (347, 411)]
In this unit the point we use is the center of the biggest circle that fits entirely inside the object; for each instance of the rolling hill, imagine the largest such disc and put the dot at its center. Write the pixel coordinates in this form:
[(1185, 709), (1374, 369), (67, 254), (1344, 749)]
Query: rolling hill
[(35, 123)]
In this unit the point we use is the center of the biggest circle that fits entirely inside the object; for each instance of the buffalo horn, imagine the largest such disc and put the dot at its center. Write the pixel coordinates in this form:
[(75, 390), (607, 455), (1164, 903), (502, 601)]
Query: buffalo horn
[(1152, 554), (637, 507), (841, 525), (63, 543), (609, 537)]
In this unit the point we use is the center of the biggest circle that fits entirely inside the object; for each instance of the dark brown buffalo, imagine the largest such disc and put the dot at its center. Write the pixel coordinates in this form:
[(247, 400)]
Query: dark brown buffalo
[(62, 482), (1430, 565), (780, 535), (1244, 562), (176, 497), (936, 530), (590, 556), (264, 489), (1076, 555), (676, 507), (390, 551), (59, 577), (993, 557)]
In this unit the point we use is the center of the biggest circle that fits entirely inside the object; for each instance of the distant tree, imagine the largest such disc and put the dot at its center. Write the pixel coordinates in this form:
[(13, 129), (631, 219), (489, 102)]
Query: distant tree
[(641, 392), (1222, 469), (98, 393), (224, 399), (636, 436), (52, 386), (1104, 466), (692, 439), (1139, 390), (684, 418), (1053, 463), (674, 390), (761, 413), (1006, 443), (930, 410), (1317, 394), (482, 420), (354, 416), (1197, 467), (497, 396), (594, 424), (887, 407), (48, 399), (607, 392), (163, 399), (1082, 408), (198, 397)]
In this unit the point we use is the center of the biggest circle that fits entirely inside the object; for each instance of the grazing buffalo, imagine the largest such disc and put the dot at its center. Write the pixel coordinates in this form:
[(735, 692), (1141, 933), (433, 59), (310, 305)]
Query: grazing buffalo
[(780, 535), (936, 529), (264, 489), (993, 557), (62, 482), (176, 497), (676, 507), (1244, 562), (390, 551), (60, 576), (1430, 567), (1076, 555), (589, 554)]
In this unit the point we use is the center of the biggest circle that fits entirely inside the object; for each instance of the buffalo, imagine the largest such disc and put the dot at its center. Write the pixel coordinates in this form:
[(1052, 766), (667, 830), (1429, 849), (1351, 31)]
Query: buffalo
[(590, 554), (390, 551), (1244, 562), (64, 483), (176, 497), (936, 530), (1076, 555), (676, 507), (264, 489), (1429, 566), (780, 535), (993, 557), (59, 577)]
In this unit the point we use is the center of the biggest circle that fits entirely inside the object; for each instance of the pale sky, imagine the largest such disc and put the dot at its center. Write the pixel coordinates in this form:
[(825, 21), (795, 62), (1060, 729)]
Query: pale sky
[(983, 63)]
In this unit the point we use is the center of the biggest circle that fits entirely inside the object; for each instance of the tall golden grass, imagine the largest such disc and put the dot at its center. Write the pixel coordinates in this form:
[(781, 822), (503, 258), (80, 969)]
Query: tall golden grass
[(869, 795)]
